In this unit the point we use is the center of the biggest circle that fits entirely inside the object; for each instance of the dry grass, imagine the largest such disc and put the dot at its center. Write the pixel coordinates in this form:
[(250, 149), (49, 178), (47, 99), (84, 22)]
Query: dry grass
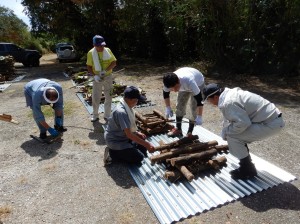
[(5, 211), (50, 167)]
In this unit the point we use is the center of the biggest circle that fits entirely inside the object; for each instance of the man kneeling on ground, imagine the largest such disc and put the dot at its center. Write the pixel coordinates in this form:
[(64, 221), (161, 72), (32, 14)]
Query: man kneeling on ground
[(124, 141)]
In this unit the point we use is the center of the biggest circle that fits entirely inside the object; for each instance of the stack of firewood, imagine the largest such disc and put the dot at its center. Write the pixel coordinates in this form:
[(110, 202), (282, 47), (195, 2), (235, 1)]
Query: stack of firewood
[(153, 123), (7, 69), (187, 156)]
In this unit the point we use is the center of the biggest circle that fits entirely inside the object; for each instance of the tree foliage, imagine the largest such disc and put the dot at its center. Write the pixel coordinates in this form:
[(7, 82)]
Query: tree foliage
[(242, 35), (11, 27)]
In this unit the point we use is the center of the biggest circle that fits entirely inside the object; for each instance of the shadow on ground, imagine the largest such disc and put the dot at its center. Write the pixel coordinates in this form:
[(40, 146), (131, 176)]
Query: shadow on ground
[(43, 150), (285, 196), (119, 172)]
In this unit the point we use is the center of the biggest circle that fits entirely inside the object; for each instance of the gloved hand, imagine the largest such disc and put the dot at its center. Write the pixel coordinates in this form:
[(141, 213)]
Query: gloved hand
[(53, 132), (223, 134), (198, 120), (97, 78), (59, 121), (169, 112), (102, 73)]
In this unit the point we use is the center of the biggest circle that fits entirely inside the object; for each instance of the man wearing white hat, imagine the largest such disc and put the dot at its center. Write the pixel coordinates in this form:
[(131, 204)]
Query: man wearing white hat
[(45, 92), (100, 62)]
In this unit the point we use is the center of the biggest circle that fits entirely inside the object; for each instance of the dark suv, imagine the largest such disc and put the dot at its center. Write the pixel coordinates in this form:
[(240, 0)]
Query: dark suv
[(25, 56)]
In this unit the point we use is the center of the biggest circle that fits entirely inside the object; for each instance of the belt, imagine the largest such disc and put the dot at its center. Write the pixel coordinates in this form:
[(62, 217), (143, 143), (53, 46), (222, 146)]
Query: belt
[(272, 117)]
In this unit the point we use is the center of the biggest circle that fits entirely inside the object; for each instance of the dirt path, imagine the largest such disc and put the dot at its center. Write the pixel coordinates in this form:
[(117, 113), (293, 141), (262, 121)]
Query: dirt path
[(67, 183)]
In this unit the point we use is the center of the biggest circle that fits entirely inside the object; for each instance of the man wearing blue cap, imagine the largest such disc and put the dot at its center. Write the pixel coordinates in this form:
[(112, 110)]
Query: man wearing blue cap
[(248, 117), (45, 92), (124, 141), (100, 62)]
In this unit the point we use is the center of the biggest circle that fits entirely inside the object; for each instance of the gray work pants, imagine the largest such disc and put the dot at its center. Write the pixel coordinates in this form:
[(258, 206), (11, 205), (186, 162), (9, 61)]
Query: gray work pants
[(256, 132)]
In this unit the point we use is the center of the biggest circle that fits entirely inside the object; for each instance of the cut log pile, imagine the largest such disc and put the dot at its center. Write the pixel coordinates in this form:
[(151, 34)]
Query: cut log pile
[(7, 69), (188, 156), (154, 123)]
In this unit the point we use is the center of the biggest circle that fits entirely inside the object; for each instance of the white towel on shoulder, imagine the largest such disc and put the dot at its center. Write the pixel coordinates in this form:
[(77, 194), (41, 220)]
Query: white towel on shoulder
[(131, 115), (106, 56)]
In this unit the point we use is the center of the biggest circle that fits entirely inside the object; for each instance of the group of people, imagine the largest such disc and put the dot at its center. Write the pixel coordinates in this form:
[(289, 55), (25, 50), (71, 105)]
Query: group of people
[(247, 116)]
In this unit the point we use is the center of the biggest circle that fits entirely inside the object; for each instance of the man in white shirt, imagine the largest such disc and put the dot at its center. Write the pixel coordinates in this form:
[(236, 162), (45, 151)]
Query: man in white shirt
[(247, 117), (189, 83)]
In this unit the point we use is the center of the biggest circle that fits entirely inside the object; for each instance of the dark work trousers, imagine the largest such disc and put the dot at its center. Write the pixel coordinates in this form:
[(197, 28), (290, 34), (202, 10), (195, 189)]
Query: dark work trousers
[(135, 154)]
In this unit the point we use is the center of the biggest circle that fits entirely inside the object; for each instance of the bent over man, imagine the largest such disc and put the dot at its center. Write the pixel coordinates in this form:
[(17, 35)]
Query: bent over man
[(100, 62), (45, 92), (189, 83), (248, 117), (123, 140)]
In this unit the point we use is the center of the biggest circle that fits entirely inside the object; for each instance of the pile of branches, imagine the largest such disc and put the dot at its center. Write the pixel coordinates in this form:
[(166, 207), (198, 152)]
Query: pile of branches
[(188, 156), (155, 123), (7, 69)]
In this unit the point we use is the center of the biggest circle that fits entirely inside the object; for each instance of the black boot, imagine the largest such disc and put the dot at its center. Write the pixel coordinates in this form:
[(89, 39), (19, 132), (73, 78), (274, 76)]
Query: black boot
[(246, 169), (191, 128), (60, 128), (43, 135)]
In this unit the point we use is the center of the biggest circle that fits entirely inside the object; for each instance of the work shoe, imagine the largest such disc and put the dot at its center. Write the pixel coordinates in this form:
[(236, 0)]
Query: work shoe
[(60, 128), (189, 134), (43, 135), (174, 133), (245, 171), (106, 157)]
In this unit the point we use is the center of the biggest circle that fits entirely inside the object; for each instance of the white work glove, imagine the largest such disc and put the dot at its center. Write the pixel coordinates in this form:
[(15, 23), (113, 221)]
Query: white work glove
[(97, 78), (198, 120), (169, 112), (223, 134)]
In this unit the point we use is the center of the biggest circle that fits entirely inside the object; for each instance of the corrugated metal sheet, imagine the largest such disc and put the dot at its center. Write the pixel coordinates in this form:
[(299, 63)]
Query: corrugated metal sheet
[(113, 105), (173, 202)]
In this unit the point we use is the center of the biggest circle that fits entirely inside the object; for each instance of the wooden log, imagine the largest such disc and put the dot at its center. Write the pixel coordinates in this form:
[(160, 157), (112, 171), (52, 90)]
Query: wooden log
[(172, 175), (182, 150), (190, 158), (155, 123), (150, 120), (159, 114), (216, 163), (141, 118), (8, 118), (179, 142), (221, 148), (184, 170)]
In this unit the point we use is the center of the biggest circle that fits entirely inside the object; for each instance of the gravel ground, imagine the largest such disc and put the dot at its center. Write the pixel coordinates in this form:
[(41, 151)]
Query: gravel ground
[(66, 182)]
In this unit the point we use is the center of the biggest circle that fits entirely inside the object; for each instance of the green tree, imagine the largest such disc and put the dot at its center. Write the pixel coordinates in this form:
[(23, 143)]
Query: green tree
[(12, 29)]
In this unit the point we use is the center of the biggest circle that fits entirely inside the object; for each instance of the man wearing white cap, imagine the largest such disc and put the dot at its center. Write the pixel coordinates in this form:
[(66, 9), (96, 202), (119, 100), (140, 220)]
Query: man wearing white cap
[(248, 117), (100, 63), (45, 92)]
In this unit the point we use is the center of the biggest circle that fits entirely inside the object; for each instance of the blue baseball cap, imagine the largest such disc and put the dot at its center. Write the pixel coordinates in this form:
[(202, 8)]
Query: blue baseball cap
[(132, 92), (98, 41)]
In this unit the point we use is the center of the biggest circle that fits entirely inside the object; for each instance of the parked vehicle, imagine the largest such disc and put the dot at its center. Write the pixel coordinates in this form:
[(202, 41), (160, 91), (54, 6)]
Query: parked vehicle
[(25, 56), (66, 53), (61, 44)]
